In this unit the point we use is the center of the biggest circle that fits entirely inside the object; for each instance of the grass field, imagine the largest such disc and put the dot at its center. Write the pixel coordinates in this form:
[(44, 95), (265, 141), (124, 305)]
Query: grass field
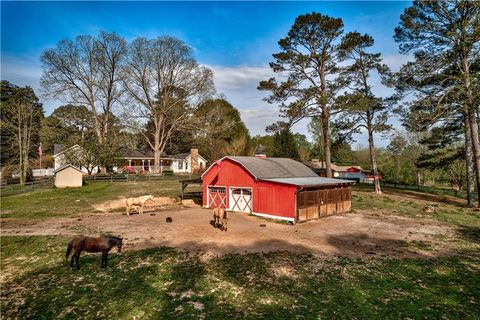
[(164, 283), (52, 202)]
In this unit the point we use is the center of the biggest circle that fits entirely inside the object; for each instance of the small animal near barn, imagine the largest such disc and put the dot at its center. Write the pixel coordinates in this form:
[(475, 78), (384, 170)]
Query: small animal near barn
[(277, 188)]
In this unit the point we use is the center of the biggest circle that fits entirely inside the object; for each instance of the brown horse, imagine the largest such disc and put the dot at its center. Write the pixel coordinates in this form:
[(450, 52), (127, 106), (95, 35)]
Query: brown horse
[(89, 244), (220, 218)]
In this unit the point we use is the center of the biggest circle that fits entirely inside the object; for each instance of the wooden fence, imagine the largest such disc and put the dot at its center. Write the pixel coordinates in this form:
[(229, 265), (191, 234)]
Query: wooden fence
[(7, 189)]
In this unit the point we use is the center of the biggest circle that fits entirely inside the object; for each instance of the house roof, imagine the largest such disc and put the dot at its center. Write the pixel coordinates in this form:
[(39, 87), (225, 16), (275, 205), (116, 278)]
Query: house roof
[(309, 181), (148, 154), (57, 148), (65, 167), (321, 165), (136, 153), (179, 155), (62, 149)]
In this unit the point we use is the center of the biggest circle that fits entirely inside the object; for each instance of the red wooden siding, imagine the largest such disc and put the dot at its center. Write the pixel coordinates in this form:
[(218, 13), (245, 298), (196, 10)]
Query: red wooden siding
[(274, 199), (267, 198)]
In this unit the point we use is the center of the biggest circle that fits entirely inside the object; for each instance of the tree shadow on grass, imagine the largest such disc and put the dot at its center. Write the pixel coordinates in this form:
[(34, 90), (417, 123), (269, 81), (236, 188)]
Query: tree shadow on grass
[(422, 196), (469, 233), (163, 283)]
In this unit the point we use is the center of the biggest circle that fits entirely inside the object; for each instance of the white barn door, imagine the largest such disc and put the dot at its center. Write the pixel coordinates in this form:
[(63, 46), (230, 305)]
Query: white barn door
[(241, 200)]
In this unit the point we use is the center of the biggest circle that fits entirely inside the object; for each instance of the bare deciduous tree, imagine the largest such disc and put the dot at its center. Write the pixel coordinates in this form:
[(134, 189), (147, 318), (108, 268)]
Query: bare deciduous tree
[(86, 71), (166, 85)]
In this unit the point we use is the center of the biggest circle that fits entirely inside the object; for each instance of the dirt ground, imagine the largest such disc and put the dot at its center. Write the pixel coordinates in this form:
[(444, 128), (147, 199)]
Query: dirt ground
[(354, 235)]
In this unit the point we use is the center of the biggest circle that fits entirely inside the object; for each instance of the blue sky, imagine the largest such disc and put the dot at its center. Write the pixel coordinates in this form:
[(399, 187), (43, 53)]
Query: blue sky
[(235, 39)]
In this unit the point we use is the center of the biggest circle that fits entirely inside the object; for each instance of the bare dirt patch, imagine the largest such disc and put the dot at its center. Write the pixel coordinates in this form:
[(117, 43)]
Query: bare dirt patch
[(152, 205), (356, 234)]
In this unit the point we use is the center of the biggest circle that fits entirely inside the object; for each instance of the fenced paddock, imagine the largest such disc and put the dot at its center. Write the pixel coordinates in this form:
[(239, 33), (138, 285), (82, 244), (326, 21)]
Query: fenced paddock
[(447, 191), (7, 189)]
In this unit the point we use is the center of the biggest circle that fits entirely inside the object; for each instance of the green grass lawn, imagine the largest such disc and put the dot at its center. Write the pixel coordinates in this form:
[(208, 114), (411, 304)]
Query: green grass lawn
[(411, 203), (53, 202), (164, 283)]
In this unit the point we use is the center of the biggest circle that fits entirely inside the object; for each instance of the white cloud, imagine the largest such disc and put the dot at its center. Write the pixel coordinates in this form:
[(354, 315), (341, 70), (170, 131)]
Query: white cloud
[(237, 83), (26, 71), (396, 60), (239, 77)]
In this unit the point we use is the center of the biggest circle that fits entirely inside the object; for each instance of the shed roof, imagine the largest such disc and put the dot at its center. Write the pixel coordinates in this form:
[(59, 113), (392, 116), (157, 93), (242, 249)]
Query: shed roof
[(310, 181), (268, 168), (65, 167)]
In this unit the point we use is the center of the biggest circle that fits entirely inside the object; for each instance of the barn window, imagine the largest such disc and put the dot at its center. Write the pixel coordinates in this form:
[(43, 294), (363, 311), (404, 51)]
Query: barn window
[(217, 189)]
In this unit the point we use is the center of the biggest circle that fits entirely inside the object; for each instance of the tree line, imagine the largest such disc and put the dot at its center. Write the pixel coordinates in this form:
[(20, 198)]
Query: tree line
[(148, 94), (153, 94), (325, 74)]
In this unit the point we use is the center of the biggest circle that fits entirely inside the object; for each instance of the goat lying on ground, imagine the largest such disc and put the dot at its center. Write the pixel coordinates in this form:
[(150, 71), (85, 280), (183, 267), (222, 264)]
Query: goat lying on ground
[(140, 202), (220, 218)]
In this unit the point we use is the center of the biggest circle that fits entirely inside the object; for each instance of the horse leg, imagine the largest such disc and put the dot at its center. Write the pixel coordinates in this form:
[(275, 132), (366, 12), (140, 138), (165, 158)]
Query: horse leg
[(73, 259), (141, 209), (77, 258), (104, 260)]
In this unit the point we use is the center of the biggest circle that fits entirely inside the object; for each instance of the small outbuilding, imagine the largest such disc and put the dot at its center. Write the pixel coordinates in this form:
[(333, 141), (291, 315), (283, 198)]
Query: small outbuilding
[(68, 176), (277, 188)]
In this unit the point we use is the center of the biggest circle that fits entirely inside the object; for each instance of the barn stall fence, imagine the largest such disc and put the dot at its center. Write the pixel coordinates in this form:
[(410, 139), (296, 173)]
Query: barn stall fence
[(314, 204)]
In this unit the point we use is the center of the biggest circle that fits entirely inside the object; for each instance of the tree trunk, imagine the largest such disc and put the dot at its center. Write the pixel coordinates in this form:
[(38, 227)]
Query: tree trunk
[(373, 161), (326, 141), (473, 124), (475, 149), (469, 164)]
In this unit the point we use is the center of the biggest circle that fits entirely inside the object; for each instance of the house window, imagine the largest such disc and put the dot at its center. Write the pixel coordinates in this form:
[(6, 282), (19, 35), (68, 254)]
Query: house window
[(186, 165), (180, 164)]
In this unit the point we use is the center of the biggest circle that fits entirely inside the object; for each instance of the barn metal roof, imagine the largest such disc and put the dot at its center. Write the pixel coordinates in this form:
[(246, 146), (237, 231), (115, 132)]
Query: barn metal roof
[(309, 181), (269, 168)]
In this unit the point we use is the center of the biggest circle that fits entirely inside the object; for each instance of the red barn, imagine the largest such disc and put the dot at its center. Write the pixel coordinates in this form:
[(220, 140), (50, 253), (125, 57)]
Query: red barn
[(276, 188)]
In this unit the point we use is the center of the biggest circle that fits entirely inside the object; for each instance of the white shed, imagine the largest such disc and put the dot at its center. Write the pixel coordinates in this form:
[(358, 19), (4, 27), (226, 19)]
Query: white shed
[(68, 176)]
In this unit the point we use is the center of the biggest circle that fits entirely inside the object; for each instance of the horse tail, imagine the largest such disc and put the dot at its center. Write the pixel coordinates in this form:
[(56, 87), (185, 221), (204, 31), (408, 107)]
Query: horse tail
[(69, 249)]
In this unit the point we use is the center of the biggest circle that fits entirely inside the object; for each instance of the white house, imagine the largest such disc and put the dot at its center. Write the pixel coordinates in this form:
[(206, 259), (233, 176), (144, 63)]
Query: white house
[(59, 160), (143, 161)]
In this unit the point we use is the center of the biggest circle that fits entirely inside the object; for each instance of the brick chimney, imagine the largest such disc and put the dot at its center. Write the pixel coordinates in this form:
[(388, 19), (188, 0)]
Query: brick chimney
[(194, 157)]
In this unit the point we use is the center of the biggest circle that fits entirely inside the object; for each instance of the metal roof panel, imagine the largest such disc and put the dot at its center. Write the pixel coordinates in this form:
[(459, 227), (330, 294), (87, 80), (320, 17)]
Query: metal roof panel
[(309, 181)]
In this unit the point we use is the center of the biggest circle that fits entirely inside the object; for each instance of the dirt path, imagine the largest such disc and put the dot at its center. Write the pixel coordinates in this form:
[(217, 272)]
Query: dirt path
[(358, 234)]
